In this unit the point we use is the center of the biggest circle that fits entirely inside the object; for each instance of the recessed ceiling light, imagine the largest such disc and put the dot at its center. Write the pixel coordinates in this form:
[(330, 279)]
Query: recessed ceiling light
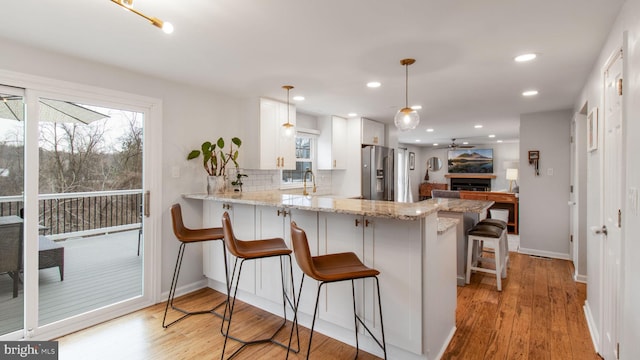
[(352, 114), (373, 84), (465, 143), (417, 140), (492, 136), (499, 141), (416, 107), (436, 144), (298, 98), (525, 57), (429, 130), (478, 126), (530, 93)]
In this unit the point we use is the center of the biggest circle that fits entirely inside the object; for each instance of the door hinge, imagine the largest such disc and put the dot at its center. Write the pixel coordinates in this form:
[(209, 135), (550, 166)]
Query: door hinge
[(570, 238), (571, 189), (617, 350), (570, 139), (619, 85)]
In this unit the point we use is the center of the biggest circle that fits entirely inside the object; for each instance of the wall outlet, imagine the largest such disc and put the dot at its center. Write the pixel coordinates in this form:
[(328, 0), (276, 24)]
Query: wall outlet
[(175, 172)]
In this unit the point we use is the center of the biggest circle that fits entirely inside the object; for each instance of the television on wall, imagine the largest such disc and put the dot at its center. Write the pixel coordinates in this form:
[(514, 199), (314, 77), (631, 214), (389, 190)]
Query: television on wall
[(470, 161)]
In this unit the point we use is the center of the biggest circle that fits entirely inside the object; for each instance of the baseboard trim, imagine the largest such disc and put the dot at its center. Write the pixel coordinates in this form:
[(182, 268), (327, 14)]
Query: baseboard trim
[(549, 254), (184, 290), (593, 330), (580, 278)]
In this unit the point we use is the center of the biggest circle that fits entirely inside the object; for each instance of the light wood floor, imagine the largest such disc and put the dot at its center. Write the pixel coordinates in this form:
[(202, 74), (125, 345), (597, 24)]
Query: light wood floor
[(538, 315)]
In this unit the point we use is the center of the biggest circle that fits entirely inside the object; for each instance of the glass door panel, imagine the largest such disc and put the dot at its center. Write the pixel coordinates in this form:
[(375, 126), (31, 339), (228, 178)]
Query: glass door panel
[(11, 203), (90, 208)]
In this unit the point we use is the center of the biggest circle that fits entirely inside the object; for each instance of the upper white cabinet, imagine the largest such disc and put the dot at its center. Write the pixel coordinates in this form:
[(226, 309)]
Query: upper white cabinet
[(267, 149), (332, 143), (372, 132)]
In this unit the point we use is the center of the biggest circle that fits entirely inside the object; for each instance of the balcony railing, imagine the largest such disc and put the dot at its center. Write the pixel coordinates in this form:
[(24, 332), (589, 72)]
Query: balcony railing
[(74, 214)]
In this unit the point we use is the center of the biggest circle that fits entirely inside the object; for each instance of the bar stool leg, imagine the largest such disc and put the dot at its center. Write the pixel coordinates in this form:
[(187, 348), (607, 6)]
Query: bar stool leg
[(231, 306), (499, 263), (355, 316), (174, 285)]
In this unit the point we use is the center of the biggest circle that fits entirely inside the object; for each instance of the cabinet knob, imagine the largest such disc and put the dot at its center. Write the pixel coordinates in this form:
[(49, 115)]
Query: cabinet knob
[(367, 222), (283, 212), (357, 222)]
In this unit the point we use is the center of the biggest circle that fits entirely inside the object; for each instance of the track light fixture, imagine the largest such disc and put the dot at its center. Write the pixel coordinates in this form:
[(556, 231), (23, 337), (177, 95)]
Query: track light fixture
[(166, 26)]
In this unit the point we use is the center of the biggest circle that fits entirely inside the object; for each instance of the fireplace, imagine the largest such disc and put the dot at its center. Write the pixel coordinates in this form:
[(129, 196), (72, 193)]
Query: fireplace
[(471, 184)]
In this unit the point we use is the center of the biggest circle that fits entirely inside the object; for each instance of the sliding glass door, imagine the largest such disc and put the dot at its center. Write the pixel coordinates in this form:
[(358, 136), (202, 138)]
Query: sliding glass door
[(74, 209), (11, 200)]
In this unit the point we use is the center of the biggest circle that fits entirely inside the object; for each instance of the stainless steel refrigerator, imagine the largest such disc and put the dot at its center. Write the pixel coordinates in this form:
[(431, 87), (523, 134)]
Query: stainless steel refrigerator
[(378, 178)]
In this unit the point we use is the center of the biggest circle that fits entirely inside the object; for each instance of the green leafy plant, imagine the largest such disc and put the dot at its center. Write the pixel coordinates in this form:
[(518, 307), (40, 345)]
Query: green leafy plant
[(238, 181), (215, 158)]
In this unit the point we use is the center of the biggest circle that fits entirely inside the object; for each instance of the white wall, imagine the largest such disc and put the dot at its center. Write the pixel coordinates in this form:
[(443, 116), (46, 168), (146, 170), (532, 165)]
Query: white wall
[(544, 210), (628, 22), (503, 152), (190, 115)]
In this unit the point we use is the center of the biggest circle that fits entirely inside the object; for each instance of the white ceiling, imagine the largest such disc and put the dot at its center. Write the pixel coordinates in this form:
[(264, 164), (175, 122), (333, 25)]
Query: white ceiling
[(328, 49)]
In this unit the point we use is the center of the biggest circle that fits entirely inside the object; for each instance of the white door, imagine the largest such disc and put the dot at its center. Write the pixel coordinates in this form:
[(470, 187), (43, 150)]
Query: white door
[(573, 219), (68, 250), (612, 200)]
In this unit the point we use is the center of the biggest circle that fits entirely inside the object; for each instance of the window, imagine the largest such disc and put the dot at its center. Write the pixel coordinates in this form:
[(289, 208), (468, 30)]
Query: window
[(305, 159)]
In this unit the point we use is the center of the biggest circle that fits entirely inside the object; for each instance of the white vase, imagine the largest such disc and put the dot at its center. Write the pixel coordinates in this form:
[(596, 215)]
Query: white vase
[(216, 184)]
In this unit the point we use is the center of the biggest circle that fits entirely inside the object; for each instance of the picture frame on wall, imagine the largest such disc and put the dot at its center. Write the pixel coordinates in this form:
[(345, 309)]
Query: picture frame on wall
[(412, 161), (592, 130)]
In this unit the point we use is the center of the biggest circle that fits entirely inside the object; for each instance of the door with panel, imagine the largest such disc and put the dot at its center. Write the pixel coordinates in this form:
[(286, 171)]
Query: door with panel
[(613, 187)]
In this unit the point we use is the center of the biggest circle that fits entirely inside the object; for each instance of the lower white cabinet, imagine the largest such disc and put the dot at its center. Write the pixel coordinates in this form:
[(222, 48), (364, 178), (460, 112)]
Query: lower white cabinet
[(271, 222), (417, 274), (213, 254), (389, 246)]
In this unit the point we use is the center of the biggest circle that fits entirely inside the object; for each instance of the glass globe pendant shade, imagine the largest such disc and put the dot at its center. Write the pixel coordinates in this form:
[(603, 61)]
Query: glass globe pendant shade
[(288, 130), (406, 119)]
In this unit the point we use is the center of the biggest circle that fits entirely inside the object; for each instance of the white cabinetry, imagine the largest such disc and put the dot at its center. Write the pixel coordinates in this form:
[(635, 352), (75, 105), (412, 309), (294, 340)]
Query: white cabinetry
[(332, 143), (372, 132), (213, 253), (382, 244), (271, 222), (267, 149)]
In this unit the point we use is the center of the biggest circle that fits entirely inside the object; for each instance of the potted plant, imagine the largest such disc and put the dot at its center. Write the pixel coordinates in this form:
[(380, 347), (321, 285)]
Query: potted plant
[(215, 160)]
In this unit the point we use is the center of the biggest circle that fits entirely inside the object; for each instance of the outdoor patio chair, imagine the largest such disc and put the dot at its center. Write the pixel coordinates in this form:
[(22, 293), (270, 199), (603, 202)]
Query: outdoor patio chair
[(10, 253)]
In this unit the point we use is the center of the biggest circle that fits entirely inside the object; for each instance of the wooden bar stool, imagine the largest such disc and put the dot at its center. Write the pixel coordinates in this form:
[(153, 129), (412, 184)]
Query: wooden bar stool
[(189, 236), (494, 235), (253, 250), (333, 268)]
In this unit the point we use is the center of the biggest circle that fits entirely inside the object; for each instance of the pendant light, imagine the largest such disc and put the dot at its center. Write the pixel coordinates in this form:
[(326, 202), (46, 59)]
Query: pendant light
[(288, 129), (406, 118)]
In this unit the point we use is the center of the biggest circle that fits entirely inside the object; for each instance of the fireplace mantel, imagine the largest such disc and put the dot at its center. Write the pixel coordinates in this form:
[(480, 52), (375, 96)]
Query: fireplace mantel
[(470, 176)]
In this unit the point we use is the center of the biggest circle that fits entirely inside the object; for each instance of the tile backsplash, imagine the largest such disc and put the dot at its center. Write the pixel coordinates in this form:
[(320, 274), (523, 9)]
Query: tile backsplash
[(261, 180)]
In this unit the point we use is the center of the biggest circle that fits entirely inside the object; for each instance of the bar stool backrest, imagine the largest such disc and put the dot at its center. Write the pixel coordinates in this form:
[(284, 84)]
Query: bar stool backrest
[(229, 238), (179, 229), (301, 250)]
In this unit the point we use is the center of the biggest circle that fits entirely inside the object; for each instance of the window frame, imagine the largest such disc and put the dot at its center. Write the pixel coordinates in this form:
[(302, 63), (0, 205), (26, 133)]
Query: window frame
[(313, 159)]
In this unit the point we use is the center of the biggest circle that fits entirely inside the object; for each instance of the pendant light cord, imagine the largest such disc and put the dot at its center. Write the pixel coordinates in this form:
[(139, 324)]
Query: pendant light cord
[(406, 85)]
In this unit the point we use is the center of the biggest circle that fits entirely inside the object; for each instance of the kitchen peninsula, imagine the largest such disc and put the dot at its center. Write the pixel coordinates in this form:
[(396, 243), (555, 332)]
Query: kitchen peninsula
[(418, 268)]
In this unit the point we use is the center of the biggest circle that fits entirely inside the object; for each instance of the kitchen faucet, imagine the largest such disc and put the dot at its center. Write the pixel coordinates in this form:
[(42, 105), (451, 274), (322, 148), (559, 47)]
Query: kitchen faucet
[(313, 178)]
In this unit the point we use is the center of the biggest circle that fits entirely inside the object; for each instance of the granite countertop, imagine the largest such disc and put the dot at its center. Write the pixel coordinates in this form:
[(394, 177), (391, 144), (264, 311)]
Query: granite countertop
[(445, 224), (342, 205)]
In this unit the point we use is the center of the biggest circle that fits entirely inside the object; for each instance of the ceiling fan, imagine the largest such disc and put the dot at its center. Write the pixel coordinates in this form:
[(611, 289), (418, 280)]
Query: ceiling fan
[(453, 145)]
